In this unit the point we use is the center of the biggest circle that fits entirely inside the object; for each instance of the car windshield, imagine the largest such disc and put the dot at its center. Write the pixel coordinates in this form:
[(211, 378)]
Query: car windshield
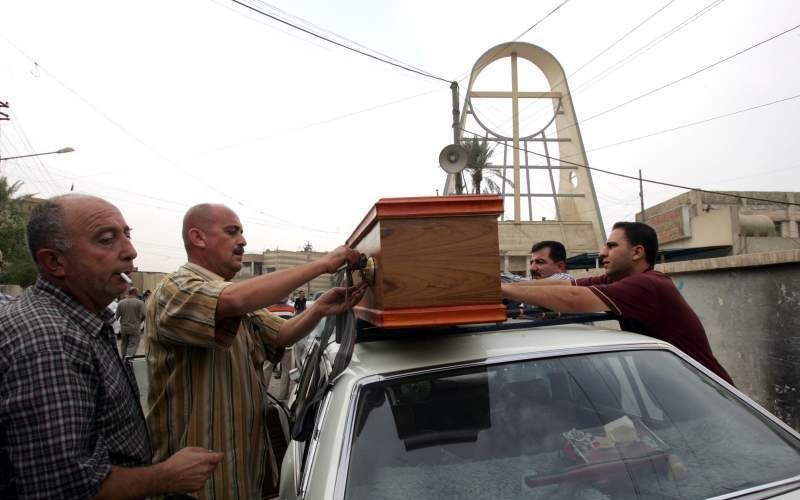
[(621, 425)]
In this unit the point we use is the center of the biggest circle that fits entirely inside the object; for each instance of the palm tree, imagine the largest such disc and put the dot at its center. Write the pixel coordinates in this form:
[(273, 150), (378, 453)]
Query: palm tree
[(7, 192), (479, 167), (18, 266)]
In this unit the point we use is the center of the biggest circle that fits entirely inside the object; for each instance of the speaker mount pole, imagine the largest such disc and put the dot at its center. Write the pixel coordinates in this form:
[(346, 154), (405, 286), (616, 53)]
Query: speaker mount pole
[(456, 116)]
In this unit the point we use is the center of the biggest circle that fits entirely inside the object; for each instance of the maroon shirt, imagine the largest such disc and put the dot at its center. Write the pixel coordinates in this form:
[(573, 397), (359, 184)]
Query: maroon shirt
[(649, 303)]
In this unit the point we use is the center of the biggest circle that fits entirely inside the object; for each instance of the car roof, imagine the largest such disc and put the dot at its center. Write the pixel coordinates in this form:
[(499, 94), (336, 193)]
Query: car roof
[(381, 357)]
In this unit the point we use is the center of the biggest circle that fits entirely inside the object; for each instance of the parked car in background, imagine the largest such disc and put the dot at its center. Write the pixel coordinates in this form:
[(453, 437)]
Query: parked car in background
[(518, 410), (282, 309)]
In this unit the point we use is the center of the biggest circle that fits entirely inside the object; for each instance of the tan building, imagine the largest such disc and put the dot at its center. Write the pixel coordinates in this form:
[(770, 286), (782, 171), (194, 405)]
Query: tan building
[(697, 219), (256, 264), (146, 280)]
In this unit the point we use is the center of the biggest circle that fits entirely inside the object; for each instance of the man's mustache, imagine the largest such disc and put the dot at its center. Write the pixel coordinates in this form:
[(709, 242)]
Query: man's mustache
[(238, 251)]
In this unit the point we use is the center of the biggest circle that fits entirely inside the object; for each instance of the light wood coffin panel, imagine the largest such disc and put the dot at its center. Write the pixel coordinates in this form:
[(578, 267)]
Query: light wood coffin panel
[(436, 261)]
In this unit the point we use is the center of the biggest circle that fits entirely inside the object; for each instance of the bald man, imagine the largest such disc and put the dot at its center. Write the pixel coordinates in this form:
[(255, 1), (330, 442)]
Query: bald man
[(207, 340), (70, 421)]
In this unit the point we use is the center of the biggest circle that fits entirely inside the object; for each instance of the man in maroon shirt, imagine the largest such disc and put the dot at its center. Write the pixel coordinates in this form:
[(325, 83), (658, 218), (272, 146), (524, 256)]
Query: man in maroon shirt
[(646, 301)]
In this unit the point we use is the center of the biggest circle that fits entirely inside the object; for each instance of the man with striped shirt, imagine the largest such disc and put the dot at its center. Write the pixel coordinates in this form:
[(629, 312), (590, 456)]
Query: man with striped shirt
[(207, 340)]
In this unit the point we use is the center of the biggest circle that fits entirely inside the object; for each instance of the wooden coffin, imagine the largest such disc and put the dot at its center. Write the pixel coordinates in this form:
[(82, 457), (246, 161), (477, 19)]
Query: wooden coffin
[(437, 261)]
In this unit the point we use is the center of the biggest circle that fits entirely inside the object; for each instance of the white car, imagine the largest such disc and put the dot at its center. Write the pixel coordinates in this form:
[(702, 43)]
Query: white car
[(532, 412)]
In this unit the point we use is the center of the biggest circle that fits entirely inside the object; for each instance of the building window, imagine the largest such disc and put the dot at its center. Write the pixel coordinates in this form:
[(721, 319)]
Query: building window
[(778, 225), (257, 268)]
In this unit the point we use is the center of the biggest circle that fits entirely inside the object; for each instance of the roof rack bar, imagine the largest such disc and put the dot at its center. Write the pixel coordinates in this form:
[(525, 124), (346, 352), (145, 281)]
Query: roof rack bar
[(369, 333)]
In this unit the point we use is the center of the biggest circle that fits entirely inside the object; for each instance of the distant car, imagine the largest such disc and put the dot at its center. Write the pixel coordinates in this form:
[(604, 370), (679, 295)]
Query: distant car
[(518, 410), (283, 310)]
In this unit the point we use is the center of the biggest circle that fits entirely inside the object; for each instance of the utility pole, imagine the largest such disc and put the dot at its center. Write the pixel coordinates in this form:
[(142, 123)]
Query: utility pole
[(641, 194), (456, 115), (307, 249), (4, 113)]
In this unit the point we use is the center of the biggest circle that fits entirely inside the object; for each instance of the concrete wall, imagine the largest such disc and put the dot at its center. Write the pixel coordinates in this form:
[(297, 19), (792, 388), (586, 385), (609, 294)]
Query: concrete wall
[(750, 308)]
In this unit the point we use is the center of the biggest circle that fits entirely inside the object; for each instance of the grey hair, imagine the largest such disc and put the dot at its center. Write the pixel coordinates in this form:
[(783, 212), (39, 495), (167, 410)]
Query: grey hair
[(47, 227)]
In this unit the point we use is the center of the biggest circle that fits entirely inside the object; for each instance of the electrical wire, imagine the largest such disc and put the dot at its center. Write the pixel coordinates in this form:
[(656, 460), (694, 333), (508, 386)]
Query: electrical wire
[(647, 46), (557, 7), (685, 77), (36, 159), (333, 34), (155, 151), (530, 28), (692, 124), (319, 123), (599, 54), (343, 45), (636, 53), (650, 181)]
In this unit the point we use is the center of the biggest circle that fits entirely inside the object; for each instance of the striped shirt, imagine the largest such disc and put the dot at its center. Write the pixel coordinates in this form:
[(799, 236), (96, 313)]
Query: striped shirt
[(207, 387)]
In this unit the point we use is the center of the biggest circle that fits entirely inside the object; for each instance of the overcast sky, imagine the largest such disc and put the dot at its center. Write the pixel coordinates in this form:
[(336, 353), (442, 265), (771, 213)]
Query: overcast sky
[(174, 103)]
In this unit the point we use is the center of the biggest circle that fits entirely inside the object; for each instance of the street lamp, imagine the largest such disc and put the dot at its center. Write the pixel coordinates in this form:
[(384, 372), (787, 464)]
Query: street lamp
[(62, 150)]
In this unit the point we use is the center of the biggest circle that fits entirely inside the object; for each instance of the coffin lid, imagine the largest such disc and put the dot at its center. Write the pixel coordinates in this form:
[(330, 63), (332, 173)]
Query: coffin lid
[(426, 206)]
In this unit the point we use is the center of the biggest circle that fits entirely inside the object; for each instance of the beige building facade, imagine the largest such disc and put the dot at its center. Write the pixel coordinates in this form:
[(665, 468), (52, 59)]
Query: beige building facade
[(699, 219), (256, 264)]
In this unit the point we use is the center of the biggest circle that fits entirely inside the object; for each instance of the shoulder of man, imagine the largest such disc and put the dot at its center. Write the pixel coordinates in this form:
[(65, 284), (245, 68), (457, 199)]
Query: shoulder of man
[(35, 323)]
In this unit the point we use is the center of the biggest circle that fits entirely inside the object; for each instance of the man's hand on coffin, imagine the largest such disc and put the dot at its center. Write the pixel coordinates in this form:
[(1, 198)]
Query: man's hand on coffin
[(340, 299), (339, 257)]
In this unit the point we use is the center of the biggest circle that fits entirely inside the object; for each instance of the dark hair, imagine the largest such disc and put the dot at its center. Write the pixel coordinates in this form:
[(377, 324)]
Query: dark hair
[(557, 251), (46, 227), (639, 233)]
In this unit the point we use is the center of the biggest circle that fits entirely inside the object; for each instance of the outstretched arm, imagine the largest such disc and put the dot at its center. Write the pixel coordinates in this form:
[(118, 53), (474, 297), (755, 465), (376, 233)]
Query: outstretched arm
[(568, 299), (249, 295)]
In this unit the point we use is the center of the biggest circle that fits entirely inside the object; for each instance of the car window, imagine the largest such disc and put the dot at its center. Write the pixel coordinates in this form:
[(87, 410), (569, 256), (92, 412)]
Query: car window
[(624, 425)]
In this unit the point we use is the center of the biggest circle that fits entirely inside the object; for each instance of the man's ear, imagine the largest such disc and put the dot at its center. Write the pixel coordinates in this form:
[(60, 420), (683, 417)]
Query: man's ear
[(638, 252), (562, 267), (197, 237), (51, 262)]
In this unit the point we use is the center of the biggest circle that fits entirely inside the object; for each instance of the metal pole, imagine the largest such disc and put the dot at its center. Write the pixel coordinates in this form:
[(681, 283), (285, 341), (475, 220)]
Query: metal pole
[(456, 112), (641, 194), (515, 134), (454, 90)]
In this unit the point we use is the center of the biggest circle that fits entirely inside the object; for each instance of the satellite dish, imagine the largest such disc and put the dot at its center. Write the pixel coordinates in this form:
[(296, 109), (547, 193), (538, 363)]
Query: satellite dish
[(453, 158)]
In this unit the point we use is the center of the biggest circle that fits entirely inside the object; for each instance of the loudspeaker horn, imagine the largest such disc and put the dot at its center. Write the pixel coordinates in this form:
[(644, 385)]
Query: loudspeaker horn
[(453, 158)]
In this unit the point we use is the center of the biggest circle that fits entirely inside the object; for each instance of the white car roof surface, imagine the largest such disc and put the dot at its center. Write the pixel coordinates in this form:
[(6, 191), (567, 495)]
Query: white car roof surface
[(376, 357)]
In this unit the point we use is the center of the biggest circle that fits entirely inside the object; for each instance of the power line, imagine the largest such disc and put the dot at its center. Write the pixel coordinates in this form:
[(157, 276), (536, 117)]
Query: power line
[(321, 122), (599, 54), (651, 181), (342, 45), (685, 77), (541, 20), (698, 122), (331, 33), (623, 37), (647, 46), (529, 29), (152, 149)]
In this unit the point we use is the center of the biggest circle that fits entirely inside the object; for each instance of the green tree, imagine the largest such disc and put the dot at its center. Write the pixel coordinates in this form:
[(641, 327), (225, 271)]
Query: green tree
[(484, 178), (18, 267)]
